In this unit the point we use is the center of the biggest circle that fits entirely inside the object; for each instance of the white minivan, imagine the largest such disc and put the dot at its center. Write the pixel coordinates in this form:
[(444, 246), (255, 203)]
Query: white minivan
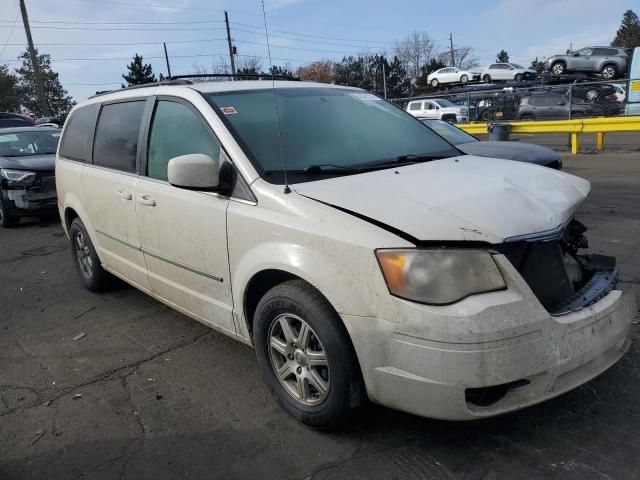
[(358, 252)]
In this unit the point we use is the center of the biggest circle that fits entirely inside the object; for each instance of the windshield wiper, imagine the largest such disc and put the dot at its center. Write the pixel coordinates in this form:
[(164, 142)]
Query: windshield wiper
[(330, 168), (406, 159)]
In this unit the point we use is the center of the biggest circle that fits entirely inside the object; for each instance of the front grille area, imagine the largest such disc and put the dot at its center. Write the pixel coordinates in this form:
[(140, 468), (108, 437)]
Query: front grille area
[(541, 265)]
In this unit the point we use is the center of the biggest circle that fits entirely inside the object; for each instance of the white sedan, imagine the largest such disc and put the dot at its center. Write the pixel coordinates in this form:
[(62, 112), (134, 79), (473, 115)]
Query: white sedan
[(450, 75)]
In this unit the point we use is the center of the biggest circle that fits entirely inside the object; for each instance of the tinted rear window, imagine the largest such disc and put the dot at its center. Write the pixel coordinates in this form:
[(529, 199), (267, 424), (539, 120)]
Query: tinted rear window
[(75, 142), (116, 139)]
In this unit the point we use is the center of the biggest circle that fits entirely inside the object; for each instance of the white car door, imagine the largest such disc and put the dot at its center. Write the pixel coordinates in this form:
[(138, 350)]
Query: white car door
[(108, 187), (184, 232), (430, 109)]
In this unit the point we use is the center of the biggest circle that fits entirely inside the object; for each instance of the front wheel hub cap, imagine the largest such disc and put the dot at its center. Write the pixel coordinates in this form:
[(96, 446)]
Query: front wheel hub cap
[(299, 359)]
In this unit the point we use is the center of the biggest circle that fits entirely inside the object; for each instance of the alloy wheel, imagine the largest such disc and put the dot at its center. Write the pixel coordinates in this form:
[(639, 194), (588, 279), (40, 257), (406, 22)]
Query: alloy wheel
[(299, 359), (608, 72), (558, 68), (83, 254)]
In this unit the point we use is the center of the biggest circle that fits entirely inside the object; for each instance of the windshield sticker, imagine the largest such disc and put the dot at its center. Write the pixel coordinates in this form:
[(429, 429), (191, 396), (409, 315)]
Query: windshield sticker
[(228, 110), (365, 97)]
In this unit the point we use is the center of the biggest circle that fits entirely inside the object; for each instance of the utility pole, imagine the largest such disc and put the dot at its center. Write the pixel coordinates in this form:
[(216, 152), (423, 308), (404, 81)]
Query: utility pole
[(453, 58), (384, 81), (233, 64), (166, 57), (34, 61)]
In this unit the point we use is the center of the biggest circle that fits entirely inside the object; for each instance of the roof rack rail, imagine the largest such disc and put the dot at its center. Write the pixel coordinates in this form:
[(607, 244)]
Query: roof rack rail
[(169, 81), (258, 76)]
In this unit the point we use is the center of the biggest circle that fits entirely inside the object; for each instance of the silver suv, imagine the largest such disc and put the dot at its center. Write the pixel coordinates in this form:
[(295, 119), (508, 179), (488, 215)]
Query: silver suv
[(608, 61)]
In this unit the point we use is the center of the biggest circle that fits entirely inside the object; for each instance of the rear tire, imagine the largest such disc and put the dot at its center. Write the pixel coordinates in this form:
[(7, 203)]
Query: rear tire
[(486, 78), (435, 82), (7, 220), (293, 326), (609, 72), (558, 68), (94, 277)]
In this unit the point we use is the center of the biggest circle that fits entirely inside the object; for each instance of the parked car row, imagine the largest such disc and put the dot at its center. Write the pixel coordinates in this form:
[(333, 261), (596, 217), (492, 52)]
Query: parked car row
[(608, 62)]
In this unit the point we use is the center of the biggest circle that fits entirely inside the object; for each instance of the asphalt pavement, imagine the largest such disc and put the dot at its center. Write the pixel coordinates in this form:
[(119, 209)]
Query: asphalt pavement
[(118, 386)]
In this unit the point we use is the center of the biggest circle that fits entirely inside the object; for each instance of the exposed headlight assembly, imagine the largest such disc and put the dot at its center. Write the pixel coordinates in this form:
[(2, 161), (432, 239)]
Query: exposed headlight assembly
[(439, 276), (16, 178)]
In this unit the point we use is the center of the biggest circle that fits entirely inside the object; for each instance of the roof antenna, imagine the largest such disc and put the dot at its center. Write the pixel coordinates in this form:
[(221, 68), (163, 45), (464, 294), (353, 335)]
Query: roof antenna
[(275, 101)]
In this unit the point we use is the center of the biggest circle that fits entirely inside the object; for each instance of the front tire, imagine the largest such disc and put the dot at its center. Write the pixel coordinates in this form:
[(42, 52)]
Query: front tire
[(558, 68), (306, 356), (519, 77), (94, 277), (464, 79), (435, 82)]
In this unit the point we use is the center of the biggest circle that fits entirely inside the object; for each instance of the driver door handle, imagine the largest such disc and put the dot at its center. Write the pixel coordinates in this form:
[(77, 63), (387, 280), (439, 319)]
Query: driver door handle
[(146, 200), (123, 194)]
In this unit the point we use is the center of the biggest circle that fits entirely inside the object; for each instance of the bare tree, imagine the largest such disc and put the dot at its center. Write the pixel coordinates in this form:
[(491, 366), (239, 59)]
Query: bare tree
[(415, 51), (319, 71), (464, 58)]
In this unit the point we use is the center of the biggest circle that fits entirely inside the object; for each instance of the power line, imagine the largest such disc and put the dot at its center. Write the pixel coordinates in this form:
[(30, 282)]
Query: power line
[(310, 35), (15, 22), (117, 44), (308, 41), (123, 29), (119, 23)]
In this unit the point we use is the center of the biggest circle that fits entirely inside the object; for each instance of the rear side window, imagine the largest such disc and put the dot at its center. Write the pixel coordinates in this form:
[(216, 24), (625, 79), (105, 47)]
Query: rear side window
[(414, 106), (116, 140), (176, 130), (75, 142)]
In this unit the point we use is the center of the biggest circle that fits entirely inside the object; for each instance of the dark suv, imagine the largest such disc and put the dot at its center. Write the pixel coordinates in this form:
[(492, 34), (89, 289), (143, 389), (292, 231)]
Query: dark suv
[(607, 61), (555, 106)]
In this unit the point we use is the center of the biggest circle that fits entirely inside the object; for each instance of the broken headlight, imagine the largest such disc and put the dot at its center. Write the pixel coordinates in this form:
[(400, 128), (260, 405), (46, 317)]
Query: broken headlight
[(18, 178), (439, 276)]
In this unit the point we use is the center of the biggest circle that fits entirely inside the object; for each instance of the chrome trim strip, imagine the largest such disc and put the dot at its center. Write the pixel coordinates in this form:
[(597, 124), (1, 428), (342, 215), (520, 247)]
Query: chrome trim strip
[(119, 239), (161, 257), (182, 265), (544, 236)]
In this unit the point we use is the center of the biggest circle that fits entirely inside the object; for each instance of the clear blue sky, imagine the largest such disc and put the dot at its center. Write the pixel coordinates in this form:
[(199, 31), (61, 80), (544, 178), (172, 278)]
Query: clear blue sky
[(301, 30)]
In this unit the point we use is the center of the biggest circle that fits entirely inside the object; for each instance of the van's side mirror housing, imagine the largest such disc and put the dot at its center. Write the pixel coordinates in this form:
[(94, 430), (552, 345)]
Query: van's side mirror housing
[(195, 171)]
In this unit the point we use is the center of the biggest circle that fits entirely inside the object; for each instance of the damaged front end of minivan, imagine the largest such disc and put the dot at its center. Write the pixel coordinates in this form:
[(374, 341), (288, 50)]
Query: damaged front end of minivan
[(562, 278)]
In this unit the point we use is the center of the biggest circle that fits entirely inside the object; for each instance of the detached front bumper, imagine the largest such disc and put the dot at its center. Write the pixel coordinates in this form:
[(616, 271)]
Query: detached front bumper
[(489, 354)]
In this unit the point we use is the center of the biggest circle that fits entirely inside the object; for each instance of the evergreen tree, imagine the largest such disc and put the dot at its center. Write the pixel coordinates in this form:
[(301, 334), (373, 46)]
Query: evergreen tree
[(398, 81), (279, 71), (537, 65), (57, 98), (9, 98), (139, 73), (628, 35), (503, 56)]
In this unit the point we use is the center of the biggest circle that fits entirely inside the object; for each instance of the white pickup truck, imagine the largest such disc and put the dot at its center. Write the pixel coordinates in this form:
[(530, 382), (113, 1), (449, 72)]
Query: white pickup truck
[(439, 108)]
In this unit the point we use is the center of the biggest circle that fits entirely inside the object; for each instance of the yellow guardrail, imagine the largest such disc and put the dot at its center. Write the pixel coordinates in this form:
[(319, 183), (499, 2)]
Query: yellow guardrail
[(598, 125)]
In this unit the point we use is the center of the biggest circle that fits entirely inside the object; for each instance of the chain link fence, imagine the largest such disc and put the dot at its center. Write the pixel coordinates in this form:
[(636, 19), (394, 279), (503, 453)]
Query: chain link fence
[(483, 103)]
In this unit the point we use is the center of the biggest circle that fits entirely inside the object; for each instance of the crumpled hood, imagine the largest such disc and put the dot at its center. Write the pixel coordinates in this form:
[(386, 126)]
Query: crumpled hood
[(31, 162), (460, 198), (521, 152)]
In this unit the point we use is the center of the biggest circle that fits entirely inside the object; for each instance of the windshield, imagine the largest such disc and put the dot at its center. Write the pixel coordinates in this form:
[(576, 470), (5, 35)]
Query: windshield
[(449, 132), (323, 126), (444, 103), (515, 65), (25, 144)]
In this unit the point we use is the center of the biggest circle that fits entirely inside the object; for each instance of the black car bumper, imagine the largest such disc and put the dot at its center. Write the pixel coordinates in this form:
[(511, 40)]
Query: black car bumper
[(40, 198)]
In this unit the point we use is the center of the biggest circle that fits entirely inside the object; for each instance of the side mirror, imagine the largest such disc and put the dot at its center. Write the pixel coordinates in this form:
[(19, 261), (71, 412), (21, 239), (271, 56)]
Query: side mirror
[(196, 170), (576, 54)]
